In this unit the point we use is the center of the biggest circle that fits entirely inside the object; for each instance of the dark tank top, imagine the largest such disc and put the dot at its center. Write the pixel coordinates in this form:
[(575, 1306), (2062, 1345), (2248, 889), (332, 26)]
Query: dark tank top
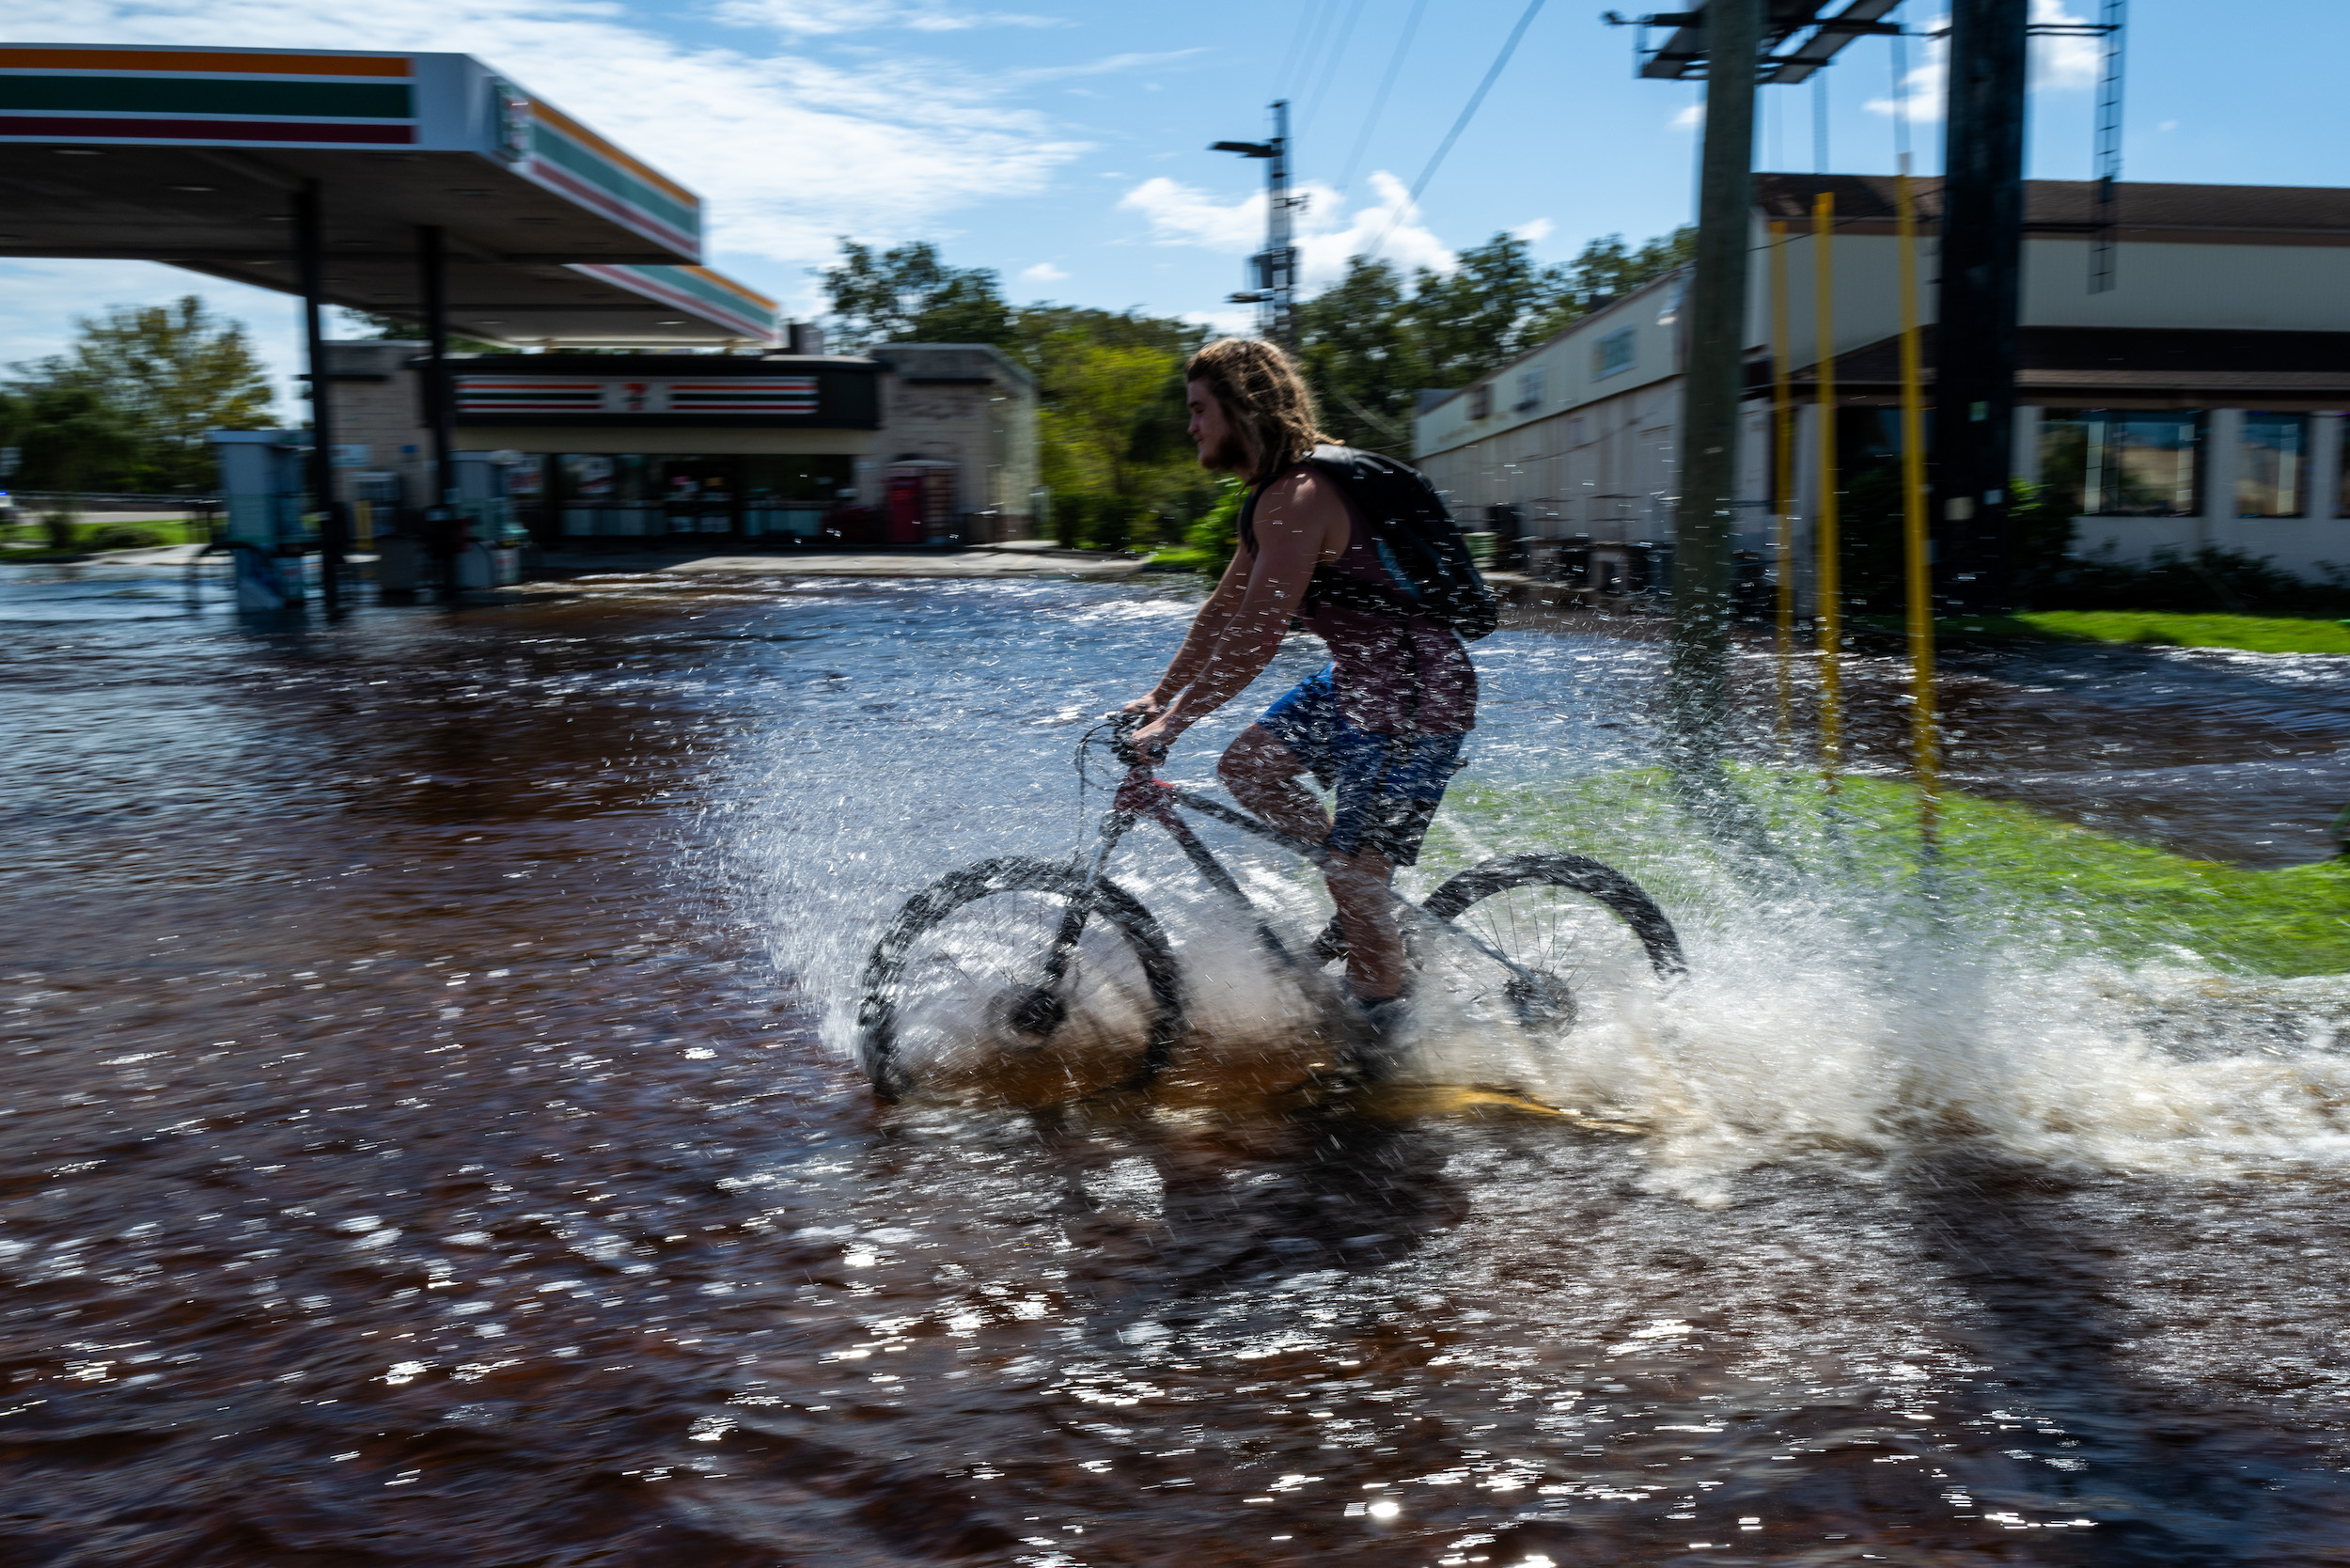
[(1395, 675)]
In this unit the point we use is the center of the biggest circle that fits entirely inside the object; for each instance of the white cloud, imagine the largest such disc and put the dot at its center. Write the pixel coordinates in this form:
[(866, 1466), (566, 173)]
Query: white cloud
[(1326, 233), (2064, 62), (1107, 65), (1043, 271), (1536, 231), (787, 150), (815, 18), (1691, 118), (1181, 214)]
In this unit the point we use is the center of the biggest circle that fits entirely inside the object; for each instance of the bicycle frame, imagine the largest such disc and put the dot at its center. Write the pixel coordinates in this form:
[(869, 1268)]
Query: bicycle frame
[(1143, 796)]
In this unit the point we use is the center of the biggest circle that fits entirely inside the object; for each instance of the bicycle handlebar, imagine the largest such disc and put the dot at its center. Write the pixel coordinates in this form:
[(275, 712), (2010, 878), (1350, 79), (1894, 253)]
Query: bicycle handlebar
[(1123, 724)]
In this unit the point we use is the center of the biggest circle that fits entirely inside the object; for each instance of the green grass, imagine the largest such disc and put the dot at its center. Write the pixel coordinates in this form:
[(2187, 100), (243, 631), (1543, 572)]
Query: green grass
[(24, 537), (2004, 868), (2156, 628), (2258, 634), (1188, 557)]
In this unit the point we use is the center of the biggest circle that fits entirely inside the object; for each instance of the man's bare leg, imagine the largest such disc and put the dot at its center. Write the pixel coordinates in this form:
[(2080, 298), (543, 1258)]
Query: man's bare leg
[(1262, 774), (1375, 943)]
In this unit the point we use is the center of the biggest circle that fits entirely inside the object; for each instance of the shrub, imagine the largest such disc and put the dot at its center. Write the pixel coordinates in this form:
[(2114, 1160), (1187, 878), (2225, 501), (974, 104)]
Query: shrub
[(122, 536)]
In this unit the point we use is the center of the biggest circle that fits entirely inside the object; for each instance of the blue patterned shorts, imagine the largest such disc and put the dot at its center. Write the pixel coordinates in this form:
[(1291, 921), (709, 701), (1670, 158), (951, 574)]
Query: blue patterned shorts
[(1389, 786)]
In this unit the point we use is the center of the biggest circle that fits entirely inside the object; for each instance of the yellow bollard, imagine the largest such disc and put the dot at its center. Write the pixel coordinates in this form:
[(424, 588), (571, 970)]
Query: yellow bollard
[(1824, 543), (1925, 747)]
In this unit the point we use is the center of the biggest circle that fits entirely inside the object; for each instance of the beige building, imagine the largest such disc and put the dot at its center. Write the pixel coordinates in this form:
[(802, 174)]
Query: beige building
[(913, 443), (970, 405), (2199, 402)]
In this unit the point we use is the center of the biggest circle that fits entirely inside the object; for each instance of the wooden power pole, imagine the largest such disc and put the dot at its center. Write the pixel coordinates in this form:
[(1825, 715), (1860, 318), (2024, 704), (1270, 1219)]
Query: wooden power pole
[(1705, 527)]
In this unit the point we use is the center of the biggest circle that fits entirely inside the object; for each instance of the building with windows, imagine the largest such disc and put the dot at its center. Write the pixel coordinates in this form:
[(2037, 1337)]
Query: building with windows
[(2199, 402), (913, 443)]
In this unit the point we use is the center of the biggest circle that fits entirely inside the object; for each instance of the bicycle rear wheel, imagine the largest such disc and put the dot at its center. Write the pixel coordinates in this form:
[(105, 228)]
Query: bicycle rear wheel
[(958, 985), (1576, 929)]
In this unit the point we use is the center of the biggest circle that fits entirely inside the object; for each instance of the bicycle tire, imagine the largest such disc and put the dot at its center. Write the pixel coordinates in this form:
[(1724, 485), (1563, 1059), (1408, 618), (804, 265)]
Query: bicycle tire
[(1601, 884), (877, 989)]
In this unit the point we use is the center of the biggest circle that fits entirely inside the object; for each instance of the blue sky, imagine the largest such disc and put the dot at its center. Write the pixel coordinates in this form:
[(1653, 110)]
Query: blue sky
[(1063, 142)]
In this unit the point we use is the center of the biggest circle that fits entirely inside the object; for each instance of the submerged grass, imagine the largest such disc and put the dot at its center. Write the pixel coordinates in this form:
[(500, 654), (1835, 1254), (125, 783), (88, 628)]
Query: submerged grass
[(2155, 628), (2002, 866)]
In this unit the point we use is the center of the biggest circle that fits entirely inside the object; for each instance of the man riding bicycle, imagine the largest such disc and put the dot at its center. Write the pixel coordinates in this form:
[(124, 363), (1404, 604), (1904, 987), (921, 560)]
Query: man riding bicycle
[(1382, 727)]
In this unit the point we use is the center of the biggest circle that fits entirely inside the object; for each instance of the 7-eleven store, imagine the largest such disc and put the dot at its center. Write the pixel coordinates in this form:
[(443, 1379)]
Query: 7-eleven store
[(638, 448)]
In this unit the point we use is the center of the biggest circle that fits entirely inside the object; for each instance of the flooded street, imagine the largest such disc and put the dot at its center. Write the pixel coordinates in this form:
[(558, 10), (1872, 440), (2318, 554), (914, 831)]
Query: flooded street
[(432, 1136)]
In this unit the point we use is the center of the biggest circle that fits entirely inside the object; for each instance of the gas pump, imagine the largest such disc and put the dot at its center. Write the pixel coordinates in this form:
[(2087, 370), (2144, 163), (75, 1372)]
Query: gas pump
[(264, 486), (490, 549)]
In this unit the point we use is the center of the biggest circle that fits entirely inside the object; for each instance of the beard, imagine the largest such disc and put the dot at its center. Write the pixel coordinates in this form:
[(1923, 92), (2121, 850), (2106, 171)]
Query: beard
[(1228, 455)]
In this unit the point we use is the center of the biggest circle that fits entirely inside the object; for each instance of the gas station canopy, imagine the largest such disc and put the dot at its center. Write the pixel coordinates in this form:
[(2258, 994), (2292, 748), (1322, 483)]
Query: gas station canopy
[(191, 157)]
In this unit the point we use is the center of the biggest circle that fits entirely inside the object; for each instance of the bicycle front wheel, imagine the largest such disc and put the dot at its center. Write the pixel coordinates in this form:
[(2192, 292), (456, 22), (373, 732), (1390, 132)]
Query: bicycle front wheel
[(1577, 931), (961, 986)]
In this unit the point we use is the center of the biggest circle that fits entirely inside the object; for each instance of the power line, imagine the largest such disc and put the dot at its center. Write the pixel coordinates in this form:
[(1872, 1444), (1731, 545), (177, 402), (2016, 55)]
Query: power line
[(1386, 85), (1305, 19), (1337, 53), (1509, 47)]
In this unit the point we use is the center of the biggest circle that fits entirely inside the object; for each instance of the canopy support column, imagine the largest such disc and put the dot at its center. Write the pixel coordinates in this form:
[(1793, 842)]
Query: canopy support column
[(439, 417), (310, 253)]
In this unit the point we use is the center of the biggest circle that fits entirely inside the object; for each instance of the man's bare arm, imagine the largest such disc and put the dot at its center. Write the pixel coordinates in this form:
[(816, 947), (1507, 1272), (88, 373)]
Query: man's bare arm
[(1294, 520), (1206, 628)]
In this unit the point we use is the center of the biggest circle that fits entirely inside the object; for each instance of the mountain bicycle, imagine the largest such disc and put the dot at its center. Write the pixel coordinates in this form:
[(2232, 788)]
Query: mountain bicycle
[(1027, 952)]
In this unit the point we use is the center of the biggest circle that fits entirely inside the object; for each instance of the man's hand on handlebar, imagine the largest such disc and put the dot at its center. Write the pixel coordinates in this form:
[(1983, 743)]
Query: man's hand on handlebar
[(1143, 736)]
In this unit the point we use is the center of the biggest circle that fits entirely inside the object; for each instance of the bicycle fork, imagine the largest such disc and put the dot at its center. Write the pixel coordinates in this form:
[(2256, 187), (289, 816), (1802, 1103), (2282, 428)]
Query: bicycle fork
[(1043, 1009)]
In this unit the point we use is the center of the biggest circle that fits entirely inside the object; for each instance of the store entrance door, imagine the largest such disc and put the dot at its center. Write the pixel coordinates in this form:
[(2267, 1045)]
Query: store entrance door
[(699, 494)]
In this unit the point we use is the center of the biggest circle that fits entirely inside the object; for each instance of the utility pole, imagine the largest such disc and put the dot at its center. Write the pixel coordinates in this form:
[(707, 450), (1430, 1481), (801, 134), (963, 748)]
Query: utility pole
[(1274, 268), (1983, 259), (1704, 528)]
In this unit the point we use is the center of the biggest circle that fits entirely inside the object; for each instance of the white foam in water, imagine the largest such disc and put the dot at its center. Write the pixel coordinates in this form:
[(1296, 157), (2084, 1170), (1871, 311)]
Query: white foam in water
[(1825, 1020)]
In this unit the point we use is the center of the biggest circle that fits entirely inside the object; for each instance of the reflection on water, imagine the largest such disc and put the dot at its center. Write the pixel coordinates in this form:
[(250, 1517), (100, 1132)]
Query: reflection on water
[(430, 1142)]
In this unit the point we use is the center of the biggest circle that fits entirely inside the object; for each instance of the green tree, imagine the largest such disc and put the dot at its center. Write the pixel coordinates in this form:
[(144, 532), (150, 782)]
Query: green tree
[(170, 373), (396, 329), (1110, 422), (906, 294), (70, 440), (1104, 430), (1358, 349), (1487, 310)]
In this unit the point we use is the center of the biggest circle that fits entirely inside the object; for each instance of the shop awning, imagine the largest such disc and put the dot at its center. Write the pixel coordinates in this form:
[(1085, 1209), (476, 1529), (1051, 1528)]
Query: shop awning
[(190, 156)]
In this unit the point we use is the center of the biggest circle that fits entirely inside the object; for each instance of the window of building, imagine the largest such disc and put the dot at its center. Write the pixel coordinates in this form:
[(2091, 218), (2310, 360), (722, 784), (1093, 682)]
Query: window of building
[(1530, 389), (2272, 466), (1614, 352), (1480, 400), (2100, 463), (2342, 467)]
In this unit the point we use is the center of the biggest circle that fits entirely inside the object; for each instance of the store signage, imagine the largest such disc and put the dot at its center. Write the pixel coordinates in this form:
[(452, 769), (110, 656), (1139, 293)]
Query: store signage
[(588, 397)]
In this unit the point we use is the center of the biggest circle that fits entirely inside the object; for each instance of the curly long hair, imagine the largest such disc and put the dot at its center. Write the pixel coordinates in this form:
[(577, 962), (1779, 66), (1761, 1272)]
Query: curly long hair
[(1264, 396)]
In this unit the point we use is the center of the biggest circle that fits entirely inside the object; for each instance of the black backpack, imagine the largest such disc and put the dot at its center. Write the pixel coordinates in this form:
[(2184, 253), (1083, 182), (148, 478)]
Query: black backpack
[(1417, 539)]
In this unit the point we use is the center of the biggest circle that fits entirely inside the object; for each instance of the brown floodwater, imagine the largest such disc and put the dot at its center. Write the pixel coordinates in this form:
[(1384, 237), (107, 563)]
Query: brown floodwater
[(431, 1136)]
